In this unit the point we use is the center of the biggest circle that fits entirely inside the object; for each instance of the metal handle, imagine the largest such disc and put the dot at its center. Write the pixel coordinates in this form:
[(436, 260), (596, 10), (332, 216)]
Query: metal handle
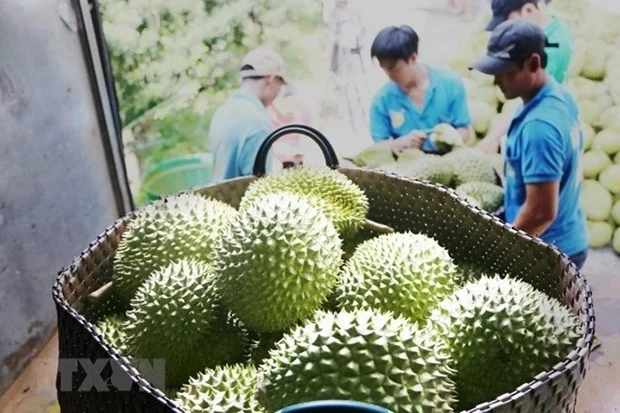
[(328, 151)]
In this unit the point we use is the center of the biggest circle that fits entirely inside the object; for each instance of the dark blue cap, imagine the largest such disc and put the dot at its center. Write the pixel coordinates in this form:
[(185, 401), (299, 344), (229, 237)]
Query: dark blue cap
[(511, 42), (502, 8)]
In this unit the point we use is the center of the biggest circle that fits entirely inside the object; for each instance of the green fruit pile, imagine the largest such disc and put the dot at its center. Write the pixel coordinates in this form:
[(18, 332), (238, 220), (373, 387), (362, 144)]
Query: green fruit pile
[(473, 174), (594, 81), (261, 307)]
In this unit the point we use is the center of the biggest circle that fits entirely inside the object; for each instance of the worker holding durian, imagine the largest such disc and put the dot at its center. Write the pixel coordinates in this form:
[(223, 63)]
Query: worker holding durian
[(417, 97)]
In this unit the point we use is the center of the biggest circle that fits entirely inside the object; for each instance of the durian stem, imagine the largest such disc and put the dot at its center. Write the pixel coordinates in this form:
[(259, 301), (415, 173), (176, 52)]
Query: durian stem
[(101, 293), (377, 227)]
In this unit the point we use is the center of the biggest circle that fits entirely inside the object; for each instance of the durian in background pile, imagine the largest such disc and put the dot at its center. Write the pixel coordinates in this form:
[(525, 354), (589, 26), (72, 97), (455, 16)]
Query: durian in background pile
[(474, 175), (594, 81), (295, 296)]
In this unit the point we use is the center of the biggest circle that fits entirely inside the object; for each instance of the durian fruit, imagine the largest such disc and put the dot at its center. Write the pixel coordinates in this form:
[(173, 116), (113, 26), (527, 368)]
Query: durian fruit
[(430, 167), (175, 317), (375, 155), (600, 233), (501, 332), (445, 137), (397, 167), (223, 389), (405, 273), (595, 200), (470, 165), (277, 262), (259, 346), (112, 329), (487, 195), (366, 356), (469, 271), (409, 154), (481, 114), (181, 226), (345, 203), (350, 244)]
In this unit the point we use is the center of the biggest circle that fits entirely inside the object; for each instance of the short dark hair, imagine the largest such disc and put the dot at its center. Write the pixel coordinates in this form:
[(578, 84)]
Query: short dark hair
[(543, 60), (394, 43)]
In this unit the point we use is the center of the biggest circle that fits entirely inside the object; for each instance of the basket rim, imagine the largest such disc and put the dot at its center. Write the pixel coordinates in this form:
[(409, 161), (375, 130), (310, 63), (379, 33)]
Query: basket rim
[(580, 352), (122, 361)]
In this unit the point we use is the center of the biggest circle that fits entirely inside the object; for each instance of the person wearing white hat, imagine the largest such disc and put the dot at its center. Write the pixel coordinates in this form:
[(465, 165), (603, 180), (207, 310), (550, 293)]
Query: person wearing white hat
[(241, 124)]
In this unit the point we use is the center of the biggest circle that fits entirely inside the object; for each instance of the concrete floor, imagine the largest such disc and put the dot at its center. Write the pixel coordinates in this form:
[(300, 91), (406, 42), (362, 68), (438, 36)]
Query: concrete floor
[(599, 392)]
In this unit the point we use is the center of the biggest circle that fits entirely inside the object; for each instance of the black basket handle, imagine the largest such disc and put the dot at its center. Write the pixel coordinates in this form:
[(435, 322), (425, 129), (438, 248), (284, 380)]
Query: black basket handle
[(328, 151)]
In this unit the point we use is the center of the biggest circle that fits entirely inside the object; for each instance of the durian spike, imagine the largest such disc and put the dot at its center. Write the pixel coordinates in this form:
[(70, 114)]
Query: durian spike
[(101, 293), (377, 227)]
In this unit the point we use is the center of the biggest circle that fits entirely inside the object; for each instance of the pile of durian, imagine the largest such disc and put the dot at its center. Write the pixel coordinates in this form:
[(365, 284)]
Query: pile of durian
[(472, 174), (593, 79), (295, 296)]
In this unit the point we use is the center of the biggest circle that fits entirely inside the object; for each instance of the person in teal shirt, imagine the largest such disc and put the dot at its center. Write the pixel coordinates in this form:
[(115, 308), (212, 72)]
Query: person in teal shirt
[(559, 56), (544, 144), (417, 96), (557, 32), (240, 126)]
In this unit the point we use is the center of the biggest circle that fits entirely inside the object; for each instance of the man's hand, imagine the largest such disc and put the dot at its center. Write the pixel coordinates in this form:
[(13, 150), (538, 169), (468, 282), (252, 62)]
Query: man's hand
[(414, 139)]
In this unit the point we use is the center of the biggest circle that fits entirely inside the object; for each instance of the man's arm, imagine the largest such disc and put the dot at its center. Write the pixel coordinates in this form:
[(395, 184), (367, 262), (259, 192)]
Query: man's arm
[(540, 208), (499, 128), (542, 165), (491, 142)]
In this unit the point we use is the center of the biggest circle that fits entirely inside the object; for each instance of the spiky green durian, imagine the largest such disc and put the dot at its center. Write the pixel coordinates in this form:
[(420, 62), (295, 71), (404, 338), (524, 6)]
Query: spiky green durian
[(470, 165), (181, 226), (259, 346), (409, 155), (350, 244), (374, 155), (500, 333), (347, 204), (469, 271), (223, 389), (488, 196), (365, 356), (431, 168), (175, 317), (277, 262), (405, 273), (445, 137), (112, 329)]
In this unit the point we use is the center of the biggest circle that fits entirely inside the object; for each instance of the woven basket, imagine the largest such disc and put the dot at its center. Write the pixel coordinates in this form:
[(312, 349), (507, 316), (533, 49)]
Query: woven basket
[(468, 233)]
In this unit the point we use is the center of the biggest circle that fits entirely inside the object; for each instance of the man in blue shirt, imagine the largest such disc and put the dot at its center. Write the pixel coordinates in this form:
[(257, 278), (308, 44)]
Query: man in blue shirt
[(544, 142), (241, 124), (559, 52), (417, 97)]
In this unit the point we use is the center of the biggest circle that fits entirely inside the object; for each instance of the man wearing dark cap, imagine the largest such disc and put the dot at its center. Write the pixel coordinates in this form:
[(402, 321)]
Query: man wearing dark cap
[(544, 143), (556, 31), (558, 57)]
